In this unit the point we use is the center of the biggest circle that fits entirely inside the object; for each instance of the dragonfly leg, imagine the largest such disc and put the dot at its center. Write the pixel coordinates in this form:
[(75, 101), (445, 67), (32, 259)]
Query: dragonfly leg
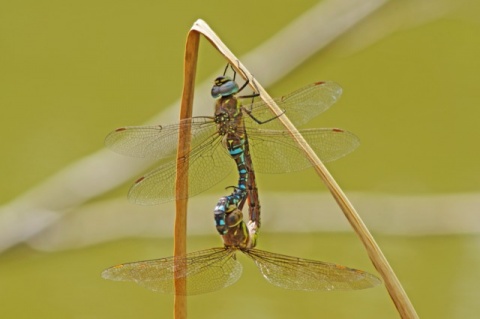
[(226, 68), (249, 113), (235, 74), (253, 95)]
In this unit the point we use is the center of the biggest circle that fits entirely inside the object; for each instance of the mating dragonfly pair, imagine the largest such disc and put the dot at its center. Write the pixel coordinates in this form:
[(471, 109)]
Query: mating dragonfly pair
[(247, 134)]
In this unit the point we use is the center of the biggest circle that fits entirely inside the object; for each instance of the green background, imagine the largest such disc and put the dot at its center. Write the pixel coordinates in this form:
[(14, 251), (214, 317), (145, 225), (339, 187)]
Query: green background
[(71, 71)]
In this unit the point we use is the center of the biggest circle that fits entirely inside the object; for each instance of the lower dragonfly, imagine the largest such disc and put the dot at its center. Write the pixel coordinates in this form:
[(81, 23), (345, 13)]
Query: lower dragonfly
[(216, 268)]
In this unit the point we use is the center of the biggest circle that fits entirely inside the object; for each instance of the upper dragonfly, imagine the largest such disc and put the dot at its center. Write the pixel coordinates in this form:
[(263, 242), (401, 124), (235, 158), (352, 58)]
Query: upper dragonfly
[(209, 159)]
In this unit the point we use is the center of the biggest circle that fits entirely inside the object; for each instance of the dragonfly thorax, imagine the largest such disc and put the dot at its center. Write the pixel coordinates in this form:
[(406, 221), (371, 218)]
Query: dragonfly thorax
[(228, 116), (238, 236)]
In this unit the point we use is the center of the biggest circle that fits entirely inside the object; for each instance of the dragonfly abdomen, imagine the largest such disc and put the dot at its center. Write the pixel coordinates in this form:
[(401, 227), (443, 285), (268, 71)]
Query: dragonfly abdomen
[(235, 145)]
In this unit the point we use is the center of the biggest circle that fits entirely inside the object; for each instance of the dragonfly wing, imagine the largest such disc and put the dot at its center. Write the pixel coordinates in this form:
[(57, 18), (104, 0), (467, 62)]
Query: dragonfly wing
[(157, 141), (276, 151), (309, 275), (206, 165), (205, 271), (300, 106)]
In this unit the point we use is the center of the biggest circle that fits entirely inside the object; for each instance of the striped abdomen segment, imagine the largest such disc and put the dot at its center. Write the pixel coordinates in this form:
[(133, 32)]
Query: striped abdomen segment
[(235, 145)]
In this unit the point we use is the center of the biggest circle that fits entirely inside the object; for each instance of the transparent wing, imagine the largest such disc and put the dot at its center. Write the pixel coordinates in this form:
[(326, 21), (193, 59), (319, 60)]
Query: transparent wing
[(208, 164), (205, 271), (300, 106), (310, 275), (276, 151), (208, 161), (158, 141)]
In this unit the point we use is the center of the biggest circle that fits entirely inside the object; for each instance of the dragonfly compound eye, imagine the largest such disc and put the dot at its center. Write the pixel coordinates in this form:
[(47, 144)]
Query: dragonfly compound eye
[(224, 86)]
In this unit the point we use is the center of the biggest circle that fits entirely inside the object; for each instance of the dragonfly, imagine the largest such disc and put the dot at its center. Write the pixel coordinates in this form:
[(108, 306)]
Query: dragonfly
[(216, 268), (272, 148), (219, 138)]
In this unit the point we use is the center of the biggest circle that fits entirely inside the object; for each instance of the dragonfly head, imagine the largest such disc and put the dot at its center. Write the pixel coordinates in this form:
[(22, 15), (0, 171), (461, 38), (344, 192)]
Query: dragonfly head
[(224, 86)]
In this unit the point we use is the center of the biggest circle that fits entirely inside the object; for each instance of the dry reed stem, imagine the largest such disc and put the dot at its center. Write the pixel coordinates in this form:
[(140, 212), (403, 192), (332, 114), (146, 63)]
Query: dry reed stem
[(395, 289), (181, 186)]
